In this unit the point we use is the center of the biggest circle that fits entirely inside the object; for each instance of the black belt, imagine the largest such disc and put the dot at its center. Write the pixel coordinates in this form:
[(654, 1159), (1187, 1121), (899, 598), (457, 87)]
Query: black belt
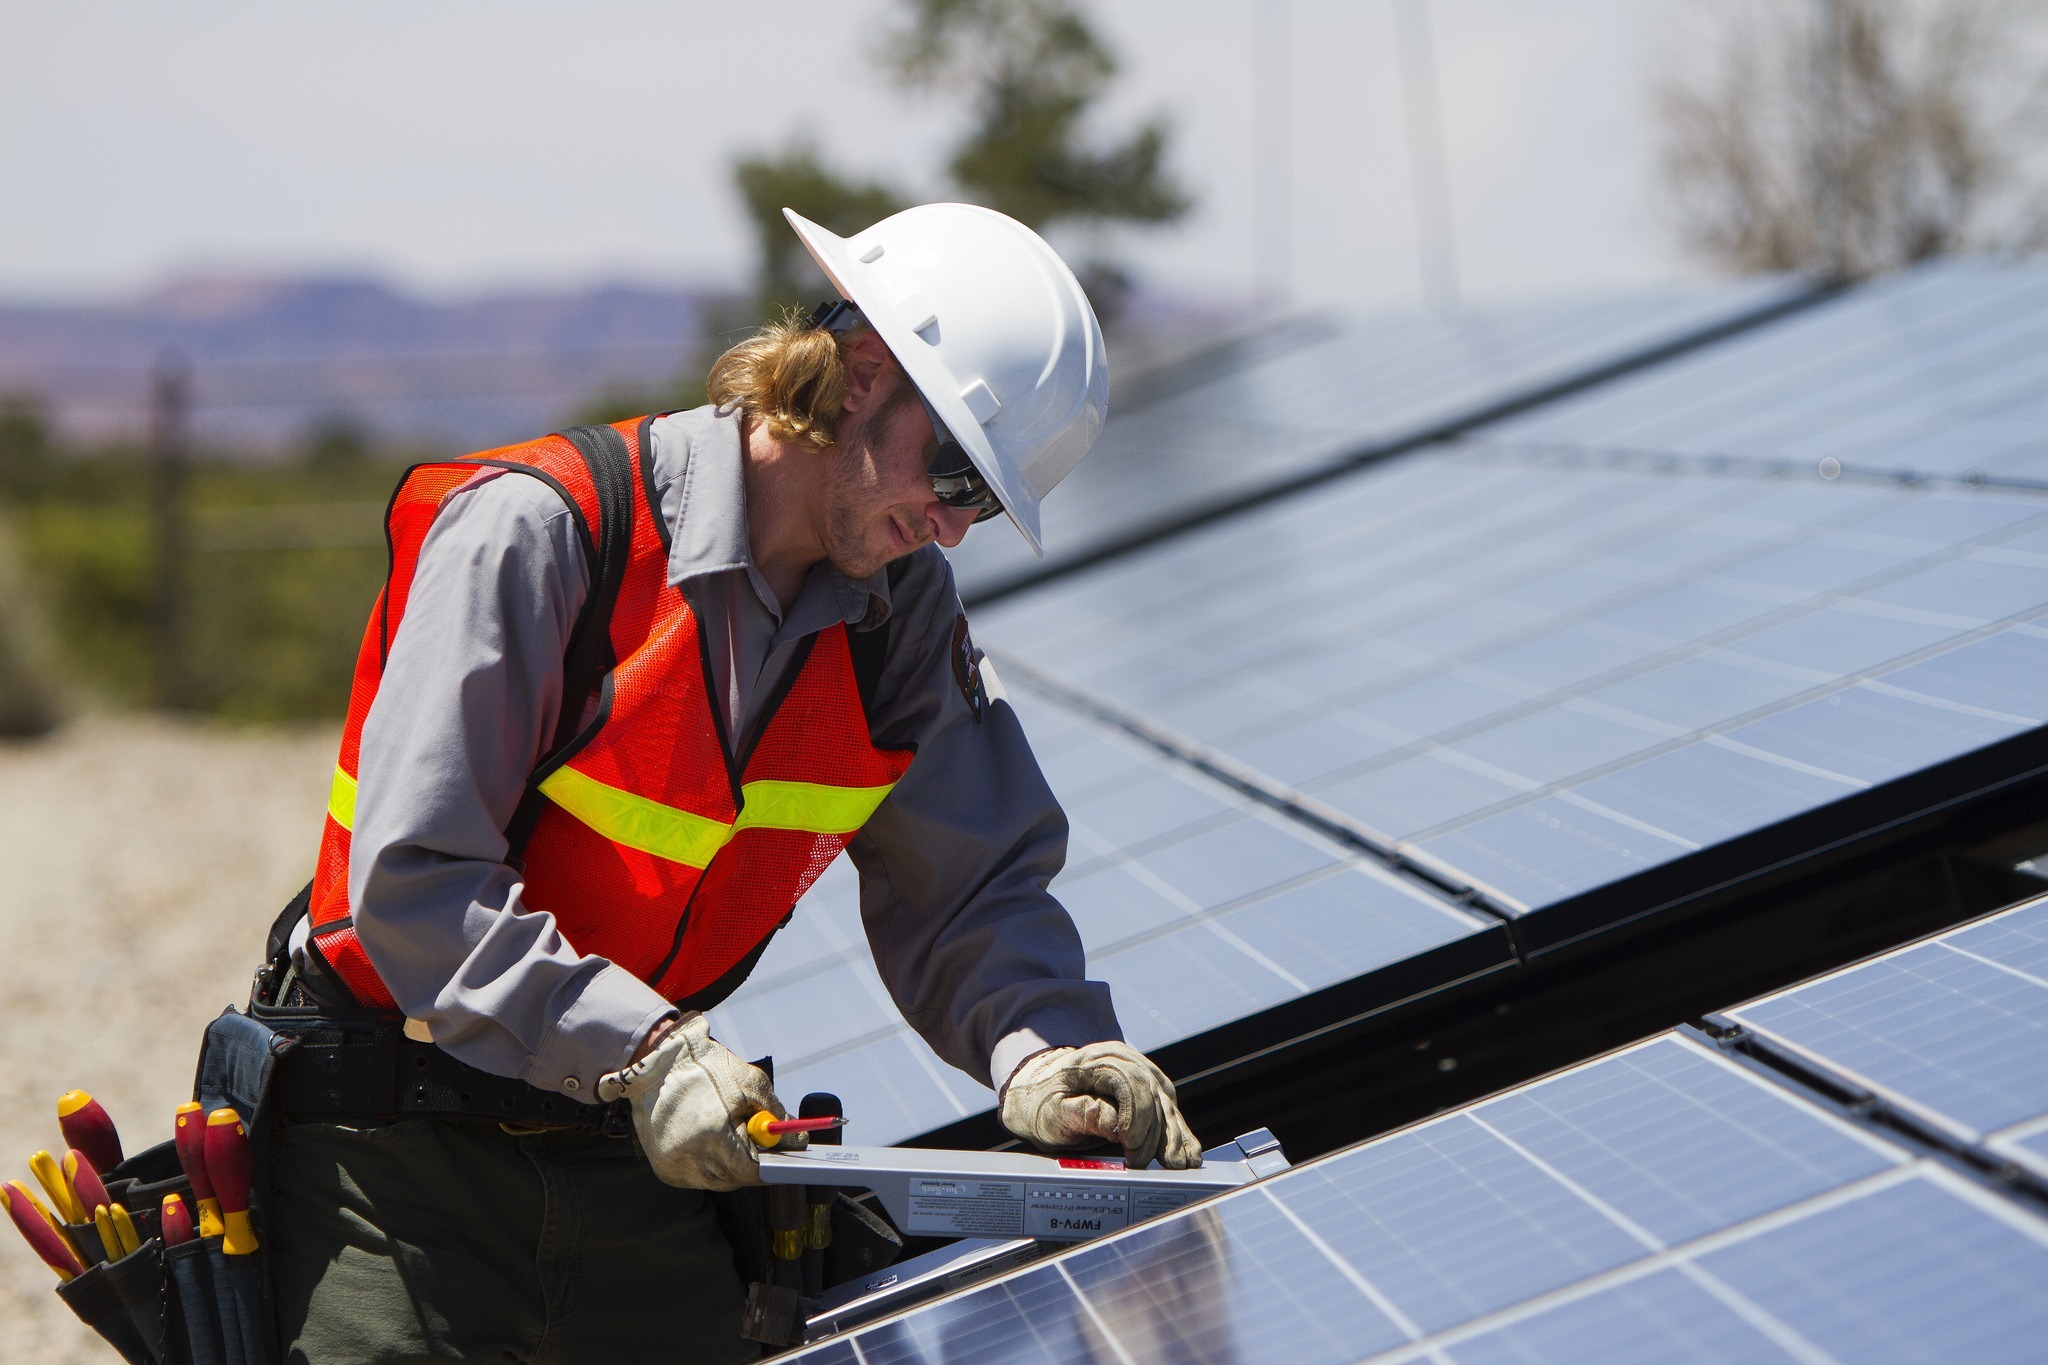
[(367, 1067)]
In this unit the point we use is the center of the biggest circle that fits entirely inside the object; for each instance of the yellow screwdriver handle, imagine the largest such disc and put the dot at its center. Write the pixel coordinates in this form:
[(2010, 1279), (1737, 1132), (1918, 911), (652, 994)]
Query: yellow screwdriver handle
[(51, 1176)]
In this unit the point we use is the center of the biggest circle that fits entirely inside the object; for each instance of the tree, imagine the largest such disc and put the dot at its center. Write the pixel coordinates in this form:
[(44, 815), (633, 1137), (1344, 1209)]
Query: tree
[(1850, 137), (1032, 71), (796, 177)]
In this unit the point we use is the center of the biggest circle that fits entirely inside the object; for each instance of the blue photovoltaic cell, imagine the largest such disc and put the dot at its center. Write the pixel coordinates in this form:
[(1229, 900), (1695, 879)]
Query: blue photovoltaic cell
[(1911, 1272), (1234, 1281), (2000, 674), (1963, 1038), (1678, 1142), (1665, 1317), (2018, 938), (1546, 851), (1031, 1317), (1871, 736)]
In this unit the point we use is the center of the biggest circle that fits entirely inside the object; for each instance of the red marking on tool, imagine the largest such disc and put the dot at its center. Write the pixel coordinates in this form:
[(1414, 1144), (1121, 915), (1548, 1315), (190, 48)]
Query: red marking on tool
[(1092, 1163)]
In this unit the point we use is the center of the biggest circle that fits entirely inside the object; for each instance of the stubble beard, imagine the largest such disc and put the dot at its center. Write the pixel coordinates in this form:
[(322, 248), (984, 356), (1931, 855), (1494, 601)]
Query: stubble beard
[(857, 544)]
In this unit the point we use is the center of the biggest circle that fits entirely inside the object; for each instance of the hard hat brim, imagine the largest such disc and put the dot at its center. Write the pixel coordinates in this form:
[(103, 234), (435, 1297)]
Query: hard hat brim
[(940, 387)]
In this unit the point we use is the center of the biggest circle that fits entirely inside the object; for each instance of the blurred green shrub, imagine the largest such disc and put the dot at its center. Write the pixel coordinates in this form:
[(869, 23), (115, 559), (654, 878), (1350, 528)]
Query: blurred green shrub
[(285, 562)]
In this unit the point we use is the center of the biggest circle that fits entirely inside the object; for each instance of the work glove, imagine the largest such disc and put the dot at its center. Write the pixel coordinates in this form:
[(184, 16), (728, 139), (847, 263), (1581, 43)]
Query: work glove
[(691, 1101), (1064, 1096)]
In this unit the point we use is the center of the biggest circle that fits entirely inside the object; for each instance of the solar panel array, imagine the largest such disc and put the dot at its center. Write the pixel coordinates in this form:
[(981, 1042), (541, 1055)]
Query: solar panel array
[(1534, 669), (1664, 1202), (1238, 417)]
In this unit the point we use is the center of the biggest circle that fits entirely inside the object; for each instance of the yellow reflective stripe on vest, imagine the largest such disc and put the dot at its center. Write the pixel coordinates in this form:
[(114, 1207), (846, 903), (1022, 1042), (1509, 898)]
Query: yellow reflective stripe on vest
[(341, 800), (636, 822), (809, 806), (693, 840)]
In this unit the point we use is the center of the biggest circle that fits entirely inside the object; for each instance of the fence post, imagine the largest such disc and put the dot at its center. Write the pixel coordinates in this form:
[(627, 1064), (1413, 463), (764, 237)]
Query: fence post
[(170, 534)]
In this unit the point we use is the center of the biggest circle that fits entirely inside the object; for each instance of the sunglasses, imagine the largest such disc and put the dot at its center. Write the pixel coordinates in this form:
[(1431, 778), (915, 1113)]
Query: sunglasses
[(954, 479)]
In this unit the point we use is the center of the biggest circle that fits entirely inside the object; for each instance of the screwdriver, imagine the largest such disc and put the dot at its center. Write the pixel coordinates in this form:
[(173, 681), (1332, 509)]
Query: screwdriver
[(87, 1128), (51, 1177), (85, 1183), (191, 1140), (43, 1235), (124, 1228), (767, 1131), (110, 1233), (177, 1223), (227, 1165)]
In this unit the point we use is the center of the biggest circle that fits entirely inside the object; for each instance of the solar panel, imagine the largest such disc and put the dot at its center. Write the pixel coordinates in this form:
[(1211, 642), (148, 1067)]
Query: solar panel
[(1198, 906), (1954, 1029), (1238, 417), (1940, 372), (1542, 677), (1659, 1203)]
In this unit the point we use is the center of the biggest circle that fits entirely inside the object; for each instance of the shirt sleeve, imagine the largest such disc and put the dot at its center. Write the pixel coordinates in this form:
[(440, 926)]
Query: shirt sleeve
[(467, 703), (955, 865)]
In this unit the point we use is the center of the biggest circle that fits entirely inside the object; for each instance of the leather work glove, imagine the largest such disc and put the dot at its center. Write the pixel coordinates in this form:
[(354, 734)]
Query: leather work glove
[(1064, 1096), (691, 1100)]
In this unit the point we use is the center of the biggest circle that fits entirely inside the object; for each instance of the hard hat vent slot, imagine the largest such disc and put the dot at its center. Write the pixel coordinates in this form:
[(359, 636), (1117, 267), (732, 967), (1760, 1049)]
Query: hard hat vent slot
[(918, 315), (981, 401), (872, 254)]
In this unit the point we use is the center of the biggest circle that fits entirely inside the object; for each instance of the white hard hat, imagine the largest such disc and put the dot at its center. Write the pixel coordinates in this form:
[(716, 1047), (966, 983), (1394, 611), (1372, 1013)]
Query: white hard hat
[(992, 328)]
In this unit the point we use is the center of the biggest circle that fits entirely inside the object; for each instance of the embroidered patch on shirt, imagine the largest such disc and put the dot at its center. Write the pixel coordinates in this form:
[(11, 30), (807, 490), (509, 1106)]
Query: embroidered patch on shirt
[(967, 669)]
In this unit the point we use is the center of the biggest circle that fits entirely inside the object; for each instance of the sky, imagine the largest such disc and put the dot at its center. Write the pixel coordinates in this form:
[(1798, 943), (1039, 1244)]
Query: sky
[(459, 146)]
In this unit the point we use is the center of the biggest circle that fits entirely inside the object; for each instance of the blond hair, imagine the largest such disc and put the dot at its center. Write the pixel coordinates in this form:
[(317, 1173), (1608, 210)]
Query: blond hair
[(789, 376)]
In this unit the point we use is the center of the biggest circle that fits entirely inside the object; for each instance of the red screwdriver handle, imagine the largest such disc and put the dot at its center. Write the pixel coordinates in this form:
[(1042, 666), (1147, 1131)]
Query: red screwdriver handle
[(176, 1221), (92, 1192), (228, 1166), (190, 1133), (87, 1128), (41, 1234)]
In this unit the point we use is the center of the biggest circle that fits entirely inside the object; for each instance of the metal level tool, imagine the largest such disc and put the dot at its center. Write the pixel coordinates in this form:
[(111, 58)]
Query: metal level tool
[(931, 1192), (1006, 1206)]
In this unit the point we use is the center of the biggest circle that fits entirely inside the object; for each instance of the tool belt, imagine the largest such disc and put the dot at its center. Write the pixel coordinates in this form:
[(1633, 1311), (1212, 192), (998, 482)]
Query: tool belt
[(362, 1065)]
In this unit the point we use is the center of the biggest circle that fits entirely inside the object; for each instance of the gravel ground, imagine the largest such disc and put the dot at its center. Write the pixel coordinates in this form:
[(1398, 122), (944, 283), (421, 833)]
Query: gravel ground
[(141, 862)]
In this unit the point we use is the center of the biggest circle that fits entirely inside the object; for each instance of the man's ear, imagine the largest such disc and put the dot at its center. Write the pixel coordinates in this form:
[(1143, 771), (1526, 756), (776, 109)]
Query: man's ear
[(867, 357)]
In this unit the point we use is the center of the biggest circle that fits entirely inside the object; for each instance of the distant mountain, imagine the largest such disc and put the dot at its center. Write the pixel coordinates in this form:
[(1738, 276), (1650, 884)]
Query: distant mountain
[(270, 358)]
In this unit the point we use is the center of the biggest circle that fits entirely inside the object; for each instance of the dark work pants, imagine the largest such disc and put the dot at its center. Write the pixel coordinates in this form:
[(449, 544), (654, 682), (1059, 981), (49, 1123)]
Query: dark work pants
[(429, 1239)]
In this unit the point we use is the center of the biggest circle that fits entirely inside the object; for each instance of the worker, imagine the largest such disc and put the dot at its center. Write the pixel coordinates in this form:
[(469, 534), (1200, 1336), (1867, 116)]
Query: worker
[(549, 869)]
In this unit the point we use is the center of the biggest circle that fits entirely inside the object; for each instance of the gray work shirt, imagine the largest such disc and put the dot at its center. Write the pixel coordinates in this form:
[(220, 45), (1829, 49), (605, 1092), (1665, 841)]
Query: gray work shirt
[(954, 865)]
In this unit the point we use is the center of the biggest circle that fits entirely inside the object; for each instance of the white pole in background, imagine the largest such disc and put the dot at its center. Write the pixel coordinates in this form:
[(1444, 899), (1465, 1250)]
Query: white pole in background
[(1273, 153), (1428, 164)]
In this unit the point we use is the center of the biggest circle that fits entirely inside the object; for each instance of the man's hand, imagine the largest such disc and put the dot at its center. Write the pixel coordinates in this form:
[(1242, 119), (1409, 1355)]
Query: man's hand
[(1065, 1095), (691, 1101)]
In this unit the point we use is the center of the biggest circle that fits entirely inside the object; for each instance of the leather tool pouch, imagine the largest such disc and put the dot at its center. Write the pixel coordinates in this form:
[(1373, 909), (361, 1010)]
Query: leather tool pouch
[(190, 1304)]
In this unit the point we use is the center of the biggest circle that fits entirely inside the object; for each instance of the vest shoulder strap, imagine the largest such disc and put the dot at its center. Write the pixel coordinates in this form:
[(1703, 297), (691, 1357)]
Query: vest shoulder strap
[(588, 658)]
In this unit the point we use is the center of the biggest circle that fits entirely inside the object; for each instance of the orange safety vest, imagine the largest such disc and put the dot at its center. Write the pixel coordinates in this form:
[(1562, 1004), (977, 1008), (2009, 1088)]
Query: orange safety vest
[(653, 842)]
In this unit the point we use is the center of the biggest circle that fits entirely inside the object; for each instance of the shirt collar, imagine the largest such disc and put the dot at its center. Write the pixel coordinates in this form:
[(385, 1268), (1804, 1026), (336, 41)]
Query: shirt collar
[(699, 479)]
